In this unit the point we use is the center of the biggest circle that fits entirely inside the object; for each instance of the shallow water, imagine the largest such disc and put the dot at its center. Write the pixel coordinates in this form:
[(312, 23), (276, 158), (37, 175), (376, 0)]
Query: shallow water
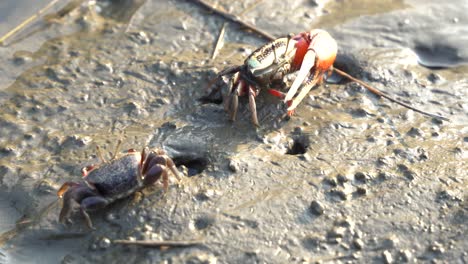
[(9, 214), (389, 181)]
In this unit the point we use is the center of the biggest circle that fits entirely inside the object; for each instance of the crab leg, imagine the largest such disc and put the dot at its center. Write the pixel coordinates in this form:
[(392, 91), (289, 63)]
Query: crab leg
[(91, 203), (172, 167), (154, 173), (252, 105), (276, 93), (117, 147), (142, 162), (229, 70), (235, 100), (307, 64), (165, 179), (99, 152), (227, 98), (82, 194), (67, 203), (217, 89), (146, 159), (63, 190), (89, 223), (290, 36), (275, 62)]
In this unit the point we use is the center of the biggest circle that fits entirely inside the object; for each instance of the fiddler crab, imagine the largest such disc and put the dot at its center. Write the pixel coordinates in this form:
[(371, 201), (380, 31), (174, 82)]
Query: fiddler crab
[(115, 179), (311, 54)]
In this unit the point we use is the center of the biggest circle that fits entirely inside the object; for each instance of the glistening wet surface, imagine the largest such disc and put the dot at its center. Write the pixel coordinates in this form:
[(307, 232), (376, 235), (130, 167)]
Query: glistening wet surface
[(349, 177)]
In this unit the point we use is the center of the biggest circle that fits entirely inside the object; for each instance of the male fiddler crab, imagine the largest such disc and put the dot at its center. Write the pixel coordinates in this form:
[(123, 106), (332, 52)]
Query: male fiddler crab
[(310, 54), (115, 179)]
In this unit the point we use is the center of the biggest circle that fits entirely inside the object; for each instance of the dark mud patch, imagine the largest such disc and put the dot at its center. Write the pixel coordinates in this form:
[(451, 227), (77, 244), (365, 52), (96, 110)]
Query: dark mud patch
[(299, 145), (438, 55), (204, 222), (9, 214), (406, 171), (214, 96), (347, 63), (194, 165), (211, 99)]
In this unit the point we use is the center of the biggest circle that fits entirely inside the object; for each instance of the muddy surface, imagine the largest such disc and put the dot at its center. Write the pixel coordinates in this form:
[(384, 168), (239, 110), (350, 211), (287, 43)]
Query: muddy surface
[(349, 178)]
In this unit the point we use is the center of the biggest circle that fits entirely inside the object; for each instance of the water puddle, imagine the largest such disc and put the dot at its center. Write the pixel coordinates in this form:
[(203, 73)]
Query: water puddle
[(9, 216), (438, 56)]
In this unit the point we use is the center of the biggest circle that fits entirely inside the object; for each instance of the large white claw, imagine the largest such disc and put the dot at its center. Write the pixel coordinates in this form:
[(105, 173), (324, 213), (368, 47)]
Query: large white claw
[(307, 63)]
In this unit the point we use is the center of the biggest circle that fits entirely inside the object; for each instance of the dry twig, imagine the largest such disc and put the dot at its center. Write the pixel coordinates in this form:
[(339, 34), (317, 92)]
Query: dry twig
[(154, 243), (384, 95), (219, 42), (27, 21)]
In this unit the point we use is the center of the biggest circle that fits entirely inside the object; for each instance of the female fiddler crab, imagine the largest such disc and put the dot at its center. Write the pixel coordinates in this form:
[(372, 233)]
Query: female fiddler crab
[(115, 179), (310, 53)]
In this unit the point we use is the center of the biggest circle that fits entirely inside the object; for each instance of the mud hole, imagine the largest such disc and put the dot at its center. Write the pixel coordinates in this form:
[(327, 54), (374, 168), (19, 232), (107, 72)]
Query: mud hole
[(348, 178)]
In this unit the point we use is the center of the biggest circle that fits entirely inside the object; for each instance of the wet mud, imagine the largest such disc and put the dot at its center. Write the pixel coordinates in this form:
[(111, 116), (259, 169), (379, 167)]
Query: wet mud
[(348, 178)]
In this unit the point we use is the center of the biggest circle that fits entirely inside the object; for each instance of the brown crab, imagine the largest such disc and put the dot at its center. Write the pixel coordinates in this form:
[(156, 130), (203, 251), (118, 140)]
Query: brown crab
[(117, 178)]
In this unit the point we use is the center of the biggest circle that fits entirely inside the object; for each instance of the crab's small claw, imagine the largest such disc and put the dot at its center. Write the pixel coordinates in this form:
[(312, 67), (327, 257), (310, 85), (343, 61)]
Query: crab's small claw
[(65, 188), (87, 169)]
